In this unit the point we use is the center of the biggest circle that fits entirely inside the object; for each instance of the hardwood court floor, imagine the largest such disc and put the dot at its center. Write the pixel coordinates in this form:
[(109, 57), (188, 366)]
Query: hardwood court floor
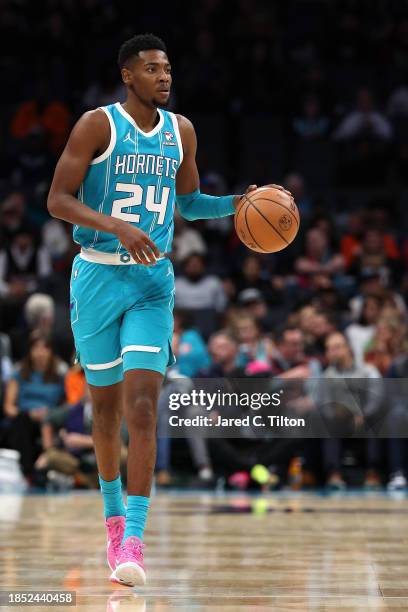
[(206, 552)]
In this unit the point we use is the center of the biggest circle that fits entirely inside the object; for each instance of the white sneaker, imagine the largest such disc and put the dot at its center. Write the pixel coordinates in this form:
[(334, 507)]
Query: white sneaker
[(397, 482)]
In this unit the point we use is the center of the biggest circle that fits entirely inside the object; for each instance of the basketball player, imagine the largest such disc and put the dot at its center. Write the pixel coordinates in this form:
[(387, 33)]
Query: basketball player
[(116, 182)]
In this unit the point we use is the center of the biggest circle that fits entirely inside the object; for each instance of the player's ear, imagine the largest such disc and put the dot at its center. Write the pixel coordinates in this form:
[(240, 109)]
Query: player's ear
[(126, 76)]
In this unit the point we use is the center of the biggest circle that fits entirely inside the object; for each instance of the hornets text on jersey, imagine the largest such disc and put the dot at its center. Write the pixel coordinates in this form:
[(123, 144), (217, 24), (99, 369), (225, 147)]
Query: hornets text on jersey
[(133, 180)]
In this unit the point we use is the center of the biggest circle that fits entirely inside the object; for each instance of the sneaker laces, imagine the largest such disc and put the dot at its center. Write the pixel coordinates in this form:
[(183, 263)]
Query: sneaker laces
[(116, 533), (134, 549)]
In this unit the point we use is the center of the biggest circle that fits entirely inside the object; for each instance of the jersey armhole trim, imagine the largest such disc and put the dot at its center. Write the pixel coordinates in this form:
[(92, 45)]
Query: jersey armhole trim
[(178, 137), (112, 142)]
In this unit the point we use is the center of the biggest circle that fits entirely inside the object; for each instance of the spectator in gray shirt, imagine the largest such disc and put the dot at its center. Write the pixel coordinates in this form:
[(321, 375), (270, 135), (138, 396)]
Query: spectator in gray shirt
[(345, 402), (201, 293)]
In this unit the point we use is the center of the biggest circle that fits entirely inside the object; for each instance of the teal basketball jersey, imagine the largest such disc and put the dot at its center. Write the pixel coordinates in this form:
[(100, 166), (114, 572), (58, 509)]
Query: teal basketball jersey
[(133, 180)]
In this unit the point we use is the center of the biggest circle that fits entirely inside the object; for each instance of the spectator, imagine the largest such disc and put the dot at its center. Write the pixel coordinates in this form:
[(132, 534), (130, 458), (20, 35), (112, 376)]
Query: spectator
[(6, 370), (195, 289), (311, 124), (201, 293), (13, 216), (22, 263), (39, 315), (364, 121), (36, 388), (387, 343), (252, 275), (32, 171), (322, 324), (42, 112), (253, 345), (398, 102), (304, 318), (325, 222), (397, 422), (373, 256), (175, 382), (360, 333), (75, 385), (295, 183), (288, 357), (371, 282), (351, 242), (23, 266), (187, 240), (252, 303), (317, 259), (39, 311), (72, 453), (227, 455), (106, 89), (224, 352), (345, 407), (192, 353), (55, 239), (363, 150)]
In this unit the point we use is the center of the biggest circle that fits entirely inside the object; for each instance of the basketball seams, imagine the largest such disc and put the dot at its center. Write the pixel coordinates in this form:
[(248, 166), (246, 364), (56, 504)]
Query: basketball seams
[(249, 230), (246, 200), (269, 223), (275, 202)]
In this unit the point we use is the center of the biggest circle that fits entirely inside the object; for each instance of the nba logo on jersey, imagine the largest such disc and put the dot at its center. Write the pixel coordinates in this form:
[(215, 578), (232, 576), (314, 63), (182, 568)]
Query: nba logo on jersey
[(169, 139)]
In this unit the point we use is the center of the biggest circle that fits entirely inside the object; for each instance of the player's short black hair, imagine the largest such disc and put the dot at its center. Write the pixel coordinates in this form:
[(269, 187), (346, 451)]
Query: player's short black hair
[(140, 42)]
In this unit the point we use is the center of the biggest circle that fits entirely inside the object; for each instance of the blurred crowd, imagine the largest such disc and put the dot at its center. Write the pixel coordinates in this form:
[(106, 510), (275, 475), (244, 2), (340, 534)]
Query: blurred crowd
[(310, 94)]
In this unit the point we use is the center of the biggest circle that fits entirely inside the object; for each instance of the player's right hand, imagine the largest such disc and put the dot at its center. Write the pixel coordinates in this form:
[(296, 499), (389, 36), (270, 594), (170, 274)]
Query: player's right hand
[(138, 244)]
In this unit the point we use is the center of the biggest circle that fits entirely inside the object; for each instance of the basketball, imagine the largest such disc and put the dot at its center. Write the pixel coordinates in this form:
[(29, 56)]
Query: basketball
[(267, 220)]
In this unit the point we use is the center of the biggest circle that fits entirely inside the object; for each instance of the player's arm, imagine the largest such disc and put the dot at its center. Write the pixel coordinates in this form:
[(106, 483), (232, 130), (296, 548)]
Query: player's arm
[(88, 138), (191, 203)]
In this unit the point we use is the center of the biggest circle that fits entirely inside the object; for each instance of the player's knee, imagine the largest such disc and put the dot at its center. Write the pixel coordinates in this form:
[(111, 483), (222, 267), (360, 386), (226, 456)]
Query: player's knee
[(141, 414), (105, 414)]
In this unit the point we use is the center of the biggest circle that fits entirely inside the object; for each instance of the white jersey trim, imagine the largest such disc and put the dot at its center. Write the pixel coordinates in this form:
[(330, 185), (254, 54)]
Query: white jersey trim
[(178, 136), (112, 142), (154, 131), (110, 259)]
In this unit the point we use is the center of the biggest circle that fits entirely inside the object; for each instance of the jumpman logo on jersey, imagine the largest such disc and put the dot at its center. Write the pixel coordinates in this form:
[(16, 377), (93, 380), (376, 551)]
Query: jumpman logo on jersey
[(128, 138)]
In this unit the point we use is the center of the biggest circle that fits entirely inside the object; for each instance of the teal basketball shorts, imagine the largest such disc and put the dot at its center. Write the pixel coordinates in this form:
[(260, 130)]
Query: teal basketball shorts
[(121, 318)]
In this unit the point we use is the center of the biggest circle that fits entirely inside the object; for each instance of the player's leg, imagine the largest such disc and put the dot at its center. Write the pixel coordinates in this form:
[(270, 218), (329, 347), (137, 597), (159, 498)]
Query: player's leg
[(141, 395), (146, 351), (106, 425), (95, 319)]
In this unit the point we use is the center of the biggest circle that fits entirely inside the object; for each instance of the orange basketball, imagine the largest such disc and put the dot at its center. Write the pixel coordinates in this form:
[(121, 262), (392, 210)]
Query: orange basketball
[(267, 220)]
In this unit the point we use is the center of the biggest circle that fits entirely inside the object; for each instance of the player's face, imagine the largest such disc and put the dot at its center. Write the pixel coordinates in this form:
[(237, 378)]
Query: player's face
[(149, 77)]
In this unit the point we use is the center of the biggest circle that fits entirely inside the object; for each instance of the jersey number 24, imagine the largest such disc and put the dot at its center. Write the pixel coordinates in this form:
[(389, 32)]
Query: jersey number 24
[(136, 199)]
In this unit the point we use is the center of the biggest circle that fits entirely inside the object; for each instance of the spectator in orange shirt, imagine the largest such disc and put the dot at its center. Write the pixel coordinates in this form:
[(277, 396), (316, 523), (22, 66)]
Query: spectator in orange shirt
[(351, 244), (42, 111), (74, 384)]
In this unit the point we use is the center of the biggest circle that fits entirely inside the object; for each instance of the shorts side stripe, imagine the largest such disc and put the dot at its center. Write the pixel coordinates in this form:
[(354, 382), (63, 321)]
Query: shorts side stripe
[(104, 366), (141, 347)]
